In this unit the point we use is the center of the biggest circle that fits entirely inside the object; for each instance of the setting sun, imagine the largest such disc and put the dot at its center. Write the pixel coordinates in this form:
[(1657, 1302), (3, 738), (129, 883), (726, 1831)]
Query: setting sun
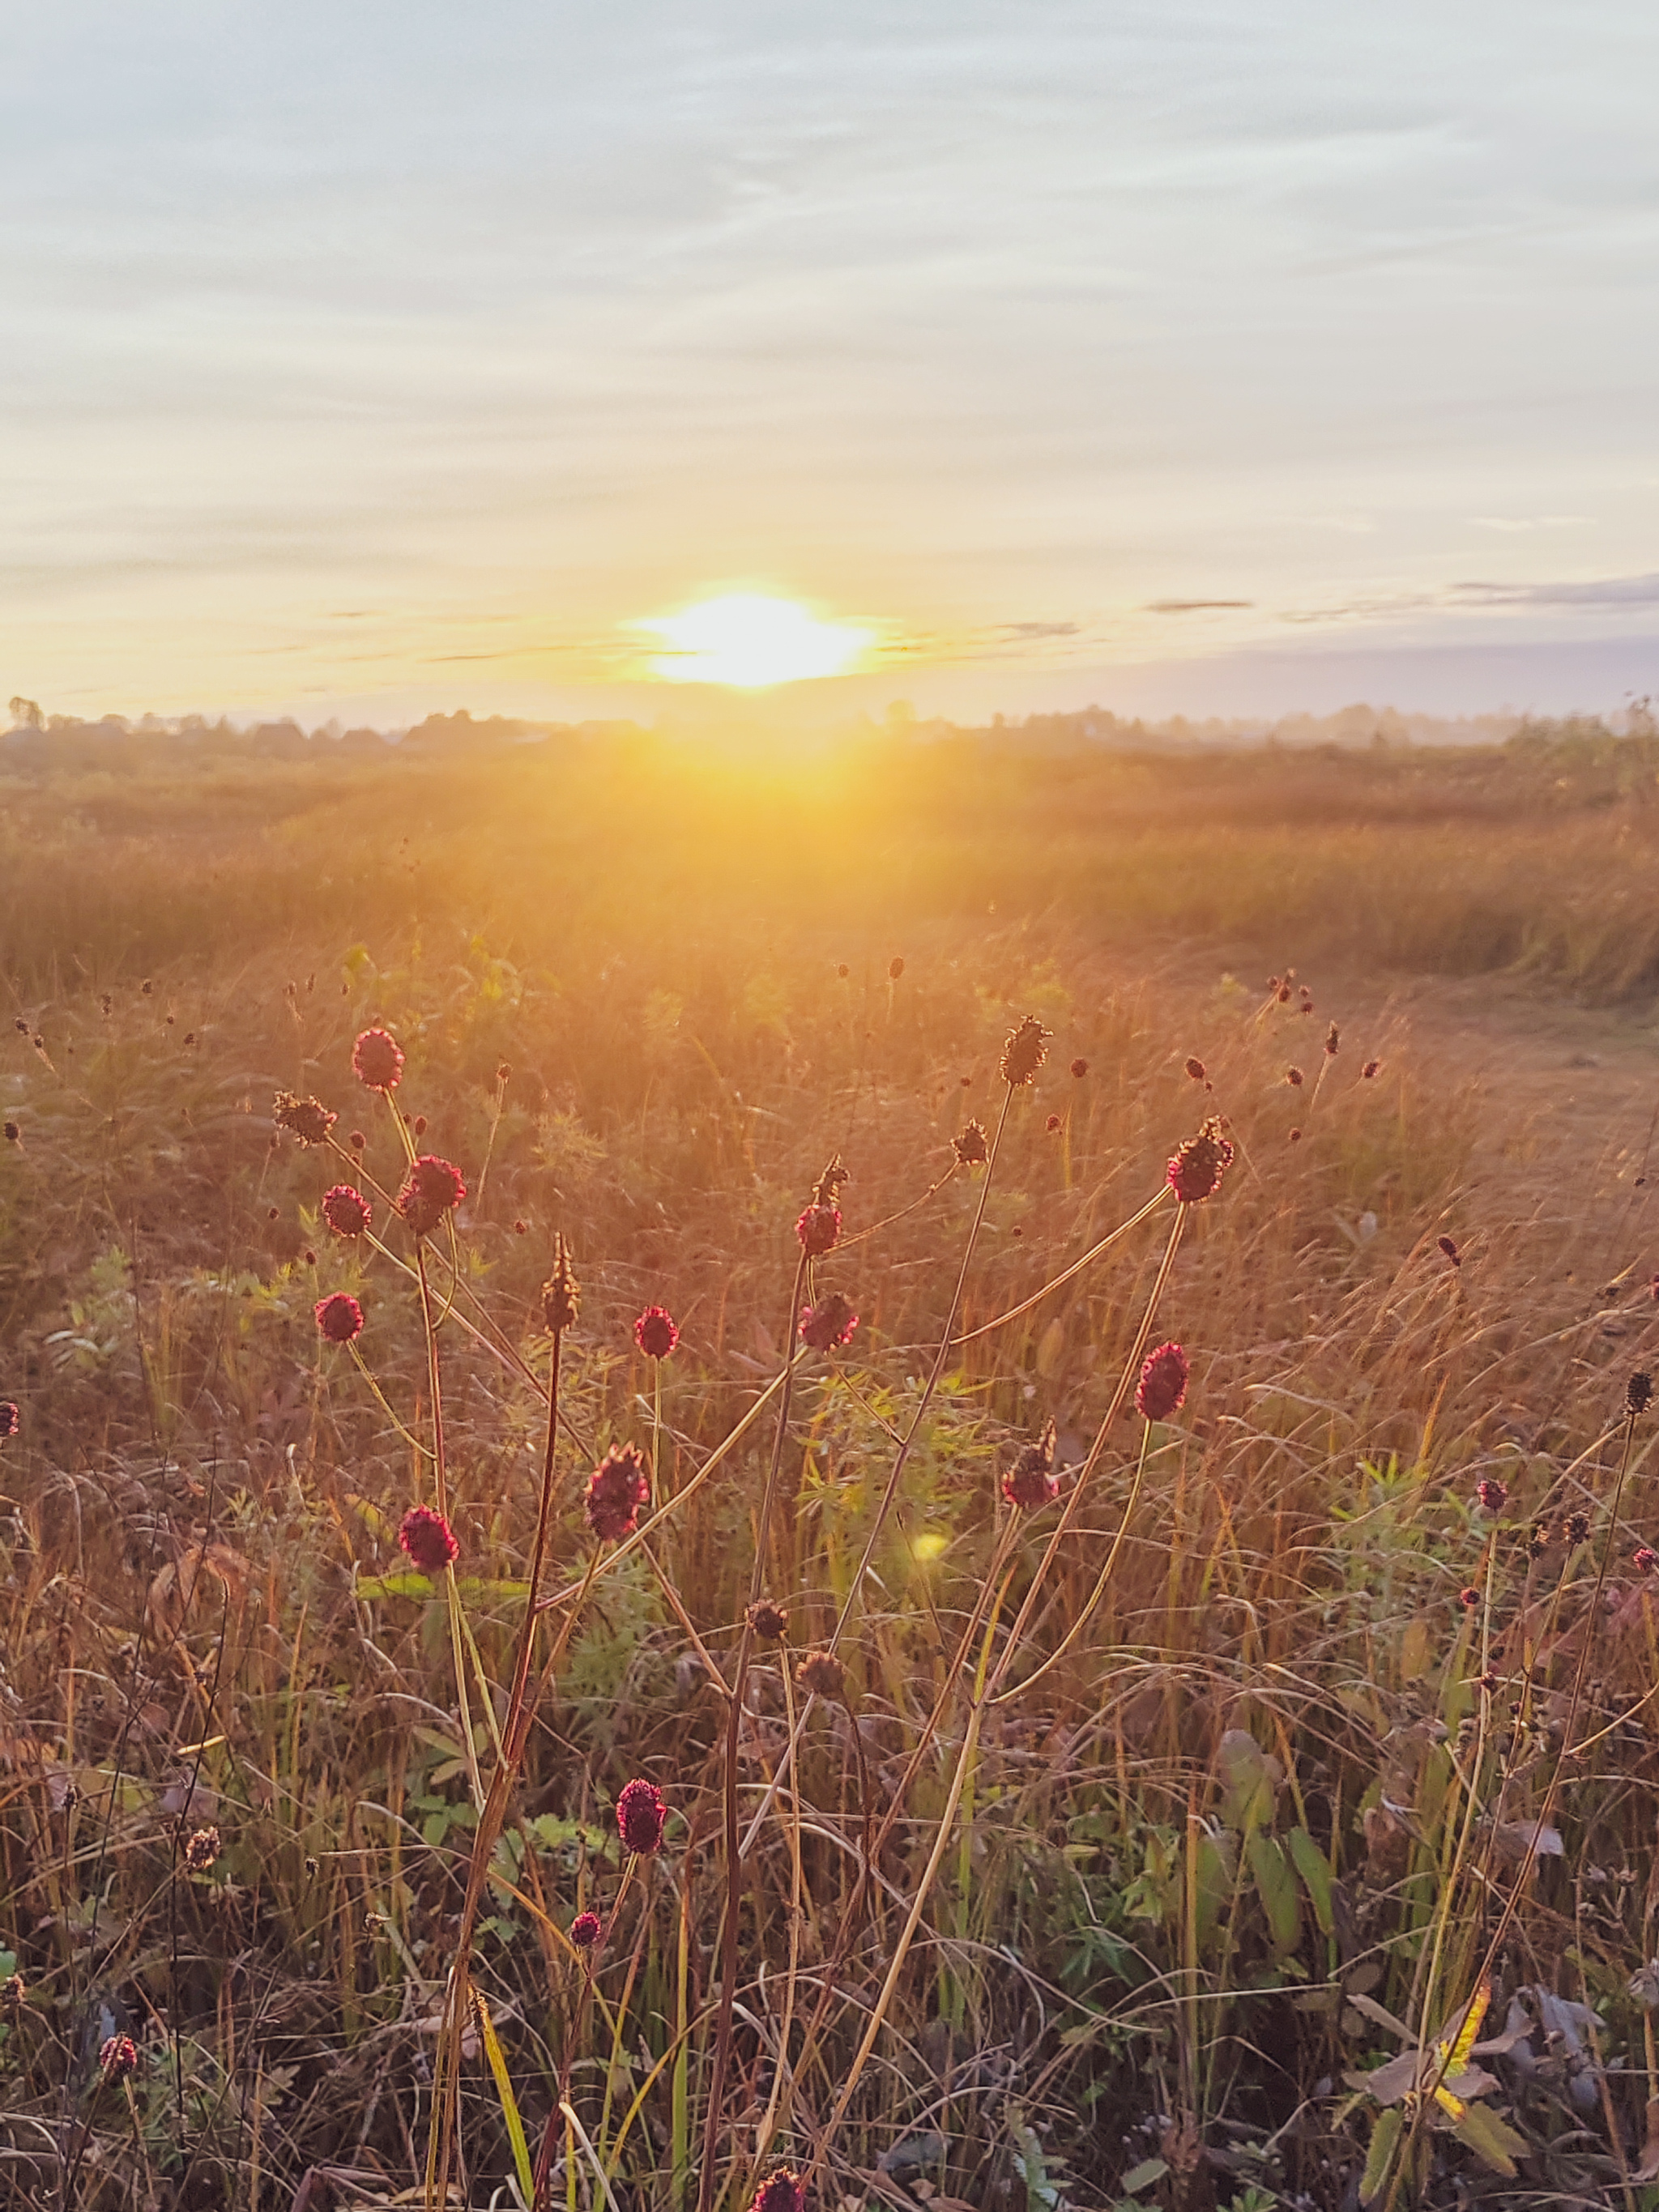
[(750, 641)]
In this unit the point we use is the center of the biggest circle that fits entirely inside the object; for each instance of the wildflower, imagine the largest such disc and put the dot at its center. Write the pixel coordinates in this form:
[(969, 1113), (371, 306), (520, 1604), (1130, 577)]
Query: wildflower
[(1052, 1123), (1539, 1542), (1491, 1493), (521, 1229), (1332, 1040), (1638, 1392), (821, 1674), (1295, 1137), (829, 1323), (418, 1124), (655, 1334), (308, 1118), (357, 1140), (584, 1931), (1196, 1171), (504, 1071), (21, 1026), (1645, 1559), (1284, 994), (782, 2192), (819, 1229), (560, 1292), (346, 1211), (1024, 1052), (433, 1188), (641, 1815), (14, 1992), (377, 1060), (10, 1418), (1370, 1068), (1490, 1684), (895, 968), (1031, 1480), (14, 1134), (118, 2057), (428, 1540), (1293, 1076), (615, 1491), (843, 970), (1578, 1527), (201, 1849), (1450, 1250), (1197, 1070), (972, 1152), (1468, 1598), (339, 1317), (1162, 1383), (768, 1621), (1080, 1068)]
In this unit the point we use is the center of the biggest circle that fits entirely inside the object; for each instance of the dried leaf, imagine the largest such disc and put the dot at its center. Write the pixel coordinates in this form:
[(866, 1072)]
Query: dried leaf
[(1649, 2169)]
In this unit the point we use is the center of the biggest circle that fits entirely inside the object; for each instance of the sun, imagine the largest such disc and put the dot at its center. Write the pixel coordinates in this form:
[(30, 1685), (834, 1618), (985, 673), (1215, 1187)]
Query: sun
[(750, 641)]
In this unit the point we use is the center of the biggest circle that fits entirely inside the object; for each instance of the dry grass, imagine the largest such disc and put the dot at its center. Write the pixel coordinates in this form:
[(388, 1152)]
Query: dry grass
[(1135, 1950)]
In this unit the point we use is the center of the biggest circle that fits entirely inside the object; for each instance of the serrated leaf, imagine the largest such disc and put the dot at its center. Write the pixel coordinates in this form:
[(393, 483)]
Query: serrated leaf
[(1494, 2141), (1379, 2158), (1317, 1879)]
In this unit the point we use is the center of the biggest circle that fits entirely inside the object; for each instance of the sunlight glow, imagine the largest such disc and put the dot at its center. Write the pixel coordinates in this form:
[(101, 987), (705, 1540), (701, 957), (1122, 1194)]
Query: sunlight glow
[(750, 641)]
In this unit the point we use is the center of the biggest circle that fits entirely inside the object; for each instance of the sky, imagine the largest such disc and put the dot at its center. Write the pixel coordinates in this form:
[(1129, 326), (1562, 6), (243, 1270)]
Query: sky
[(364, 359)]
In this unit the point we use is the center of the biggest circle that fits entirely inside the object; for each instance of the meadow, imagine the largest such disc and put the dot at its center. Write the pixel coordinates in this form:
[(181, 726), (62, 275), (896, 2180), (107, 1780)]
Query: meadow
[(1051, 1788)]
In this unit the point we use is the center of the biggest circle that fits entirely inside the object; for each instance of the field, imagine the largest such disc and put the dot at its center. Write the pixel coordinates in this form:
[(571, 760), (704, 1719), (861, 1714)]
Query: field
[(1143, 1839)]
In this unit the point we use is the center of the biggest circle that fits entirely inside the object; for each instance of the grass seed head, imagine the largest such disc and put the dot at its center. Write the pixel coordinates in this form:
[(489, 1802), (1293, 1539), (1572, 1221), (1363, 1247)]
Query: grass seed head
[(561, 1292)]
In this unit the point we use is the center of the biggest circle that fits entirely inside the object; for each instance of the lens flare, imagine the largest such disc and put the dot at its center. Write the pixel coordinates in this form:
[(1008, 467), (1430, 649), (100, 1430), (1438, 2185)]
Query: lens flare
[(749, 640)]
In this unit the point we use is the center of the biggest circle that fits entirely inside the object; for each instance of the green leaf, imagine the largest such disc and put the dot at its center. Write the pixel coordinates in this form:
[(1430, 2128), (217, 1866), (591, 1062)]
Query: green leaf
[(1248, 1780), (1275, 1885), (1144, 2175), (1379, 2159), (1317, 1879), (1493, 2141)]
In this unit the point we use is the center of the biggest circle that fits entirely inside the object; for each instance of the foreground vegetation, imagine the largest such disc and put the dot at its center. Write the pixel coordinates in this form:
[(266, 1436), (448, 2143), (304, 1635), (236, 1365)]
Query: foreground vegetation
[(1134, 1834)]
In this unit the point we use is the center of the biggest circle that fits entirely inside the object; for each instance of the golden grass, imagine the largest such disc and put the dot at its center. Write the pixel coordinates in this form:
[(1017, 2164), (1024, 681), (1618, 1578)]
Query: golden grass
[(1138, 1942)]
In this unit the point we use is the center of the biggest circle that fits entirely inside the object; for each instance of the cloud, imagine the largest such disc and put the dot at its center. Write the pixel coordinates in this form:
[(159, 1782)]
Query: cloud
[(1608, 591), (1193, 606)]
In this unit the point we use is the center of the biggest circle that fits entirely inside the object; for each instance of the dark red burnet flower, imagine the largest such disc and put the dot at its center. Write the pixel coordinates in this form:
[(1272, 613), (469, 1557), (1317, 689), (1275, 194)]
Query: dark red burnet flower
[(655, 1334), (1197, 1070), (1196, 1171), (339, 1317), (1491, 1493), (118, 2057), (1468, 1598), (346, 1211), (769, 1620), (433, 1188), (10, 1419), (1638, 1392), (1031, 1480), (819, 1231), (782, 2192), (821, 1674), (1449, 1246), (615, 1491), (377, 1060), (830, 1322), (561, 1292), (428, 1540), (1370, 1068), (308, 1119), (1162, 1383), (972, 1151), (641, 1817), (584, 1931), (1645, 1559), (1024, 1052), (1052, 1124), (1294, 1076)]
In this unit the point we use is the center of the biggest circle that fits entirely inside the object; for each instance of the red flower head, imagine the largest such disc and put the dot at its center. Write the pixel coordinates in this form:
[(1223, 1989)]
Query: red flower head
[(1645, 1559), (339, 1317), (641, 1814), (1024, 1051), (655, 1334), (615, 1491), (1052, 1124), (377, 1060), (1080, 1068), (345, 1209), (10, 1418), (782, 2192), (1449, 1248), (1162, 1383), (1370, 1068), (972, 1151), (1491, 1493), (1196, 1171), (118, 2057), (831, 1322), (308, 1118), (584, 1931), (428, 1540), (1469, 1598), (433, 1188), (819, 1231), (1197, 1070), (1031, 1480)]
